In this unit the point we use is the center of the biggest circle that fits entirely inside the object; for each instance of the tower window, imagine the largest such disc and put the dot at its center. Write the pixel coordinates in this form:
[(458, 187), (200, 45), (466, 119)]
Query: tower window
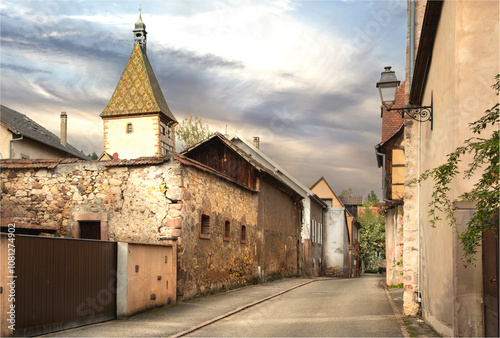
[(130, 129)]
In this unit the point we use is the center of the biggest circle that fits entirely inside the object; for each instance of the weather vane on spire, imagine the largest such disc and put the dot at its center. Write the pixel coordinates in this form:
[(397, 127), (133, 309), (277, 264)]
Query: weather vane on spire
[(140, 32)]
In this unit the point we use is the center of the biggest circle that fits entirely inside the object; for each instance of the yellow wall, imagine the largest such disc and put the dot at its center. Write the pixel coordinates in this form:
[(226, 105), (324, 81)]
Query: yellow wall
[(324, 192), (398, 174), (143, 141)]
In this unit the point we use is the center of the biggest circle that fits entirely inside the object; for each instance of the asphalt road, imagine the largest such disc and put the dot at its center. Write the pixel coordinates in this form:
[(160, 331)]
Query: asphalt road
[(353, 307), (296, 307)]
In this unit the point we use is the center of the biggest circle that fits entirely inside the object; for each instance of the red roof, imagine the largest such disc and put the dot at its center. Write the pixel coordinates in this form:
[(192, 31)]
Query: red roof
[(392, 120)]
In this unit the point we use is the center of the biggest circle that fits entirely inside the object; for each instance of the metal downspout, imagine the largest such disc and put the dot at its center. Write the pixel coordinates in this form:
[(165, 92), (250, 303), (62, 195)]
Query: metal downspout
[(10, 144), (322, 240), (383, 174), (412, 40), (412, 68)]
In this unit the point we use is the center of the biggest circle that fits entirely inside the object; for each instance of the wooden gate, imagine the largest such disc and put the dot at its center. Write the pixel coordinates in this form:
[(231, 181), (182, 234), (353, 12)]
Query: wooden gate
[(490, 284), (63, 283)]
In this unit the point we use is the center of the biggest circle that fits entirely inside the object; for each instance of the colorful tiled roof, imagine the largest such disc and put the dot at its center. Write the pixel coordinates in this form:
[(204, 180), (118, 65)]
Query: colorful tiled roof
[(138, 91)]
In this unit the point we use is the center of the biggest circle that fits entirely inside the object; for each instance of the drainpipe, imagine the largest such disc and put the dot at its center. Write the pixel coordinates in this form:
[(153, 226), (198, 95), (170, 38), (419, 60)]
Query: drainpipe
[(412, 66), (383, 175), (412, 40), (322, 240), (10, 144)]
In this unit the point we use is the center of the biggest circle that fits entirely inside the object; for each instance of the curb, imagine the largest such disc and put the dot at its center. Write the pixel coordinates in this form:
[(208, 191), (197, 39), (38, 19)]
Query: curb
[(241, 308), (399, 318)]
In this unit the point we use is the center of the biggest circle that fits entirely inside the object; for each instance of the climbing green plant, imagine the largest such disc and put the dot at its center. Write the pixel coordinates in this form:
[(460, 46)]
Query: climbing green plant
[(485, 192)]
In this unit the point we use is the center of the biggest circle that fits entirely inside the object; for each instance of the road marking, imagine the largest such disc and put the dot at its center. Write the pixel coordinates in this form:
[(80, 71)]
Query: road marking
[(399, 318), (241, 308)]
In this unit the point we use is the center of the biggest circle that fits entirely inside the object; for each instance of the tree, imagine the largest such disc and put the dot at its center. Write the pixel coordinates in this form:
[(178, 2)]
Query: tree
[(371, 200), (372, 234), (190, 131), (485, 192), (346, 192), (94, 156)]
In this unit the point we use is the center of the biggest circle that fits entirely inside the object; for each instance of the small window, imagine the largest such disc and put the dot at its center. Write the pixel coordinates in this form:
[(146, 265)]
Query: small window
[(243, 234), (227, 230), (205, 226), (130, 129)]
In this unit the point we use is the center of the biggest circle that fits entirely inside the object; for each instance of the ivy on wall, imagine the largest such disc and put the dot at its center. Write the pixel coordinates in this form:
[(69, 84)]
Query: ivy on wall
[(485, 192)]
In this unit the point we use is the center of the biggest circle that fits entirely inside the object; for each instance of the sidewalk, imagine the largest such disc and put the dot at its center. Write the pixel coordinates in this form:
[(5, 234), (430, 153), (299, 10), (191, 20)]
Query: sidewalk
[(185, 315), (415, 326)]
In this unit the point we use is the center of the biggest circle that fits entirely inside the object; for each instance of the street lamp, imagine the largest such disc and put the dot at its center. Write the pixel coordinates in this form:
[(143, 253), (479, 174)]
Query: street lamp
[(388, 86)]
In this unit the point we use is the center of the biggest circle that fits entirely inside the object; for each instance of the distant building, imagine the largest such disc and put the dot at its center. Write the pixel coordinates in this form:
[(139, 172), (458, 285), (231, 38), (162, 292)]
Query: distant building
[(313, 223), (137, 120), (336, 237), (23, 138)]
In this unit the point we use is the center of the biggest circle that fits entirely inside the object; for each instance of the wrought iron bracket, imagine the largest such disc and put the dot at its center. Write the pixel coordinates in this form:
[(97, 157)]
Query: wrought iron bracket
[(420, 114)]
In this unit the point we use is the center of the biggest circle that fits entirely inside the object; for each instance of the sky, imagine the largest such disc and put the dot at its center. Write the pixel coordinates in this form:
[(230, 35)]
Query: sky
[(300, 75)]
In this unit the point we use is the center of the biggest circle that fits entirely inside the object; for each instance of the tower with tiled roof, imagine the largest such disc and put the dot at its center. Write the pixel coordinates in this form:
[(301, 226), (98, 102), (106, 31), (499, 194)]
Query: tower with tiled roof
[(137, 120)]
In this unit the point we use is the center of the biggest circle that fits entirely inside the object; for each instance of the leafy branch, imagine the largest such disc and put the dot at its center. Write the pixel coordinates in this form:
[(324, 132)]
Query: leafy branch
[(191, 130), (485, 192)]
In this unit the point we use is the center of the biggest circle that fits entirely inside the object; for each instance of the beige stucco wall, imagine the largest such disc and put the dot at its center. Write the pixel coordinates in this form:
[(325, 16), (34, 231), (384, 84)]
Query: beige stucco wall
[(394, 245), (26, 148), (464, 63), (5, 137), (143, 141), (336, 243)]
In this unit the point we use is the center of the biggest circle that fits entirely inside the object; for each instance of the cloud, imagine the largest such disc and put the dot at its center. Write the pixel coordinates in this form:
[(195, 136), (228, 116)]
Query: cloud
[(299, 74)]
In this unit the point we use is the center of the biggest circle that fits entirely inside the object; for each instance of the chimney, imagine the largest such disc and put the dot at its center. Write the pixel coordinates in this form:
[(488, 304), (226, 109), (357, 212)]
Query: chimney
[(256, 142), (64, 129)]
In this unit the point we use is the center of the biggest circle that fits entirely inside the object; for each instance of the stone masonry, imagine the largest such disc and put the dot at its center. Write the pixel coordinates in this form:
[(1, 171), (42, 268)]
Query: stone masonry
[(146, 201)]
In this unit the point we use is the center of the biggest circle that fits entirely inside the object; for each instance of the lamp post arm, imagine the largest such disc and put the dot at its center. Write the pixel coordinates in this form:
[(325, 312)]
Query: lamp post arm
[(420, 114)]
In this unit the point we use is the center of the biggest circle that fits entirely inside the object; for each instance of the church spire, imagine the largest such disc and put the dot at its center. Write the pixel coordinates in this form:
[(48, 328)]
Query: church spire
[(140, 33)]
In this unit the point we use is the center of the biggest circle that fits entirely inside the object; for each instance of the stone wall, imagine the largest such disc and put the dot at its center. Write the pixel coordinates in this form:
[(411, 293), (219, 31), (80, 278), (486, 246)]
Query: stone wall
[(135, 198), (157, 200), (208, 263)]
